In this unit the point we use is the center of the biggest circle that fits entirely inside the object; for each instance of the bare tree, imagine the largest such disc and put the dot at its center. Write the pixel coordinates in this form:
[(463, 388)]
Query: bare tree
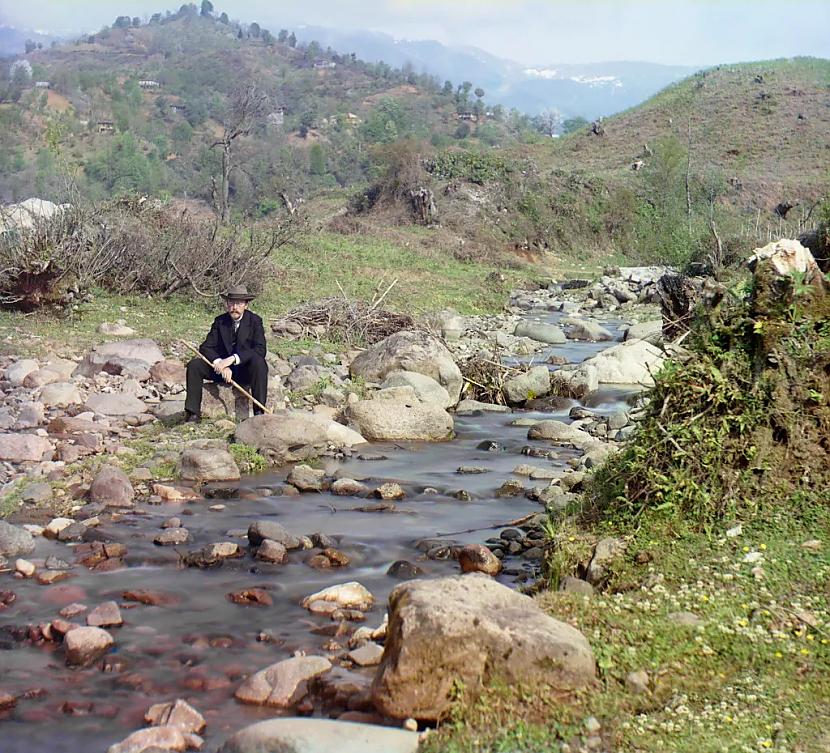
[(246, 107), (550, 121)]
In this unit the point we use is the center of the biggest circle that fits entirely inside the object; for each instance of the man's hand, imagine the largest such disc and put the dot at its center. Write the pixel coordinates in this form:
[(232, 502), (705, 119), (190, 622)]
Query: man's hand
[(220, 365), (226, 374)]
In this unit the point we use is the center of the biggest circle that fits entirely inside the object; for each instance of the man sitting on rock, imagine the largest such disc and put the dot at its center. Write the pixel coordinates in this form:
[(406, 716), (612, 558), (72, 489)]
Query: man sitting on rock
[(235, 346)]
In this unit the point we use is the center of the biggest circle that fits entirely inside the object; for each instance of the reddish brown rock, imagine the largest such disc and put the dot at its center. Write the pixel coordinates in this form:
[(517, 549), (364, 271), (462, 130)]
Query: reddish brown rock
[(7, 598), (251, 597), (48, 577), (168, 372), (105, 615), (98, 556), (7, 701), (112, 488), (63, 425), (150, 598), (477, 558)]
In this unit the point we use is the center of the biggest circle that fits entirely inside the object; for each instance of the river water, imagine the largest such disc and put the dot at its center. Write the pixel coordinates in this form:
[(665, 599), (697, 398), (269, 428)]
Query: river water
[(202, 645)]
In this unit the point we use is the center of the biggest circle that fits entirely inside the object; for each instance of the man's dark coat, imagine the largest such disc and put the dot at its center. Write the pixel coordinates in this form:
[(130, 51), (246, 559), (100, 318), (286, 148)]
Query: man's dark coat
[(250, 338)]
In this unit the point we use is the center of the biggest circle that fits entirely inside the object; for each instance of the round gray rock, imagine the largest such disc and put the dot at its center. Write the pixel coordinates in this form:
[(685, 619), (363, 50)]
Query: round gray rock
[(299, 735), (15, 541), (410, 351)]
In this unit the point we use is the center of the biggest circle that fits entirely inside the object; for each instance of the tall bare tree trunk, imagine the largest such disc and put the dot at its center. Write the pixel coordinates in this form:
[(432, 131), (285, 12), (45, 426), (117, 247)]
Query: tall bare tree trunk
[(225, 206)]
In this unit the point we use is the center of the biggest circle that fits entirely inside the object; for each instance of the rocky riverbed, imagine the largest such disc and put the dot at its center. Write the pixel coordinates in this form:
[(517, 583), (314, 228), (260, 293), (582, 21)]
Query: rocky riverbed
[(171, 613)]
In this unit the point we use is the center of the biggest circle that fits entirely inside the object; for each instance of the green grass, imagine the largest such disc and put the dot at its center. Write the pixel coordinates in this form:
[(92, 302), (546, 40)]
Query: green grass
[(752, 677), (429, 279)]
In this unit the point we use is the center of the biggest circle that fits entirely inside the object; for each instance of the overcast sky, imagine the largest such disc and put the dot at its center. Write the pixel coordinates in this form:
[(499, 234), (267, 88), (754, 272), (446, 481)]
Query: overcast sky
[(691, 32)]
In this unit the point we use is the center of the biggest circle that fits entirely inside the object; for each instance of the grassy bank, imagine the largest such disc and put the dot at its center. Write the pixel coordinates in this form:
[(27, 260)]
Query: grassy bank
[(318, 266), (753, 675), (722, 596)]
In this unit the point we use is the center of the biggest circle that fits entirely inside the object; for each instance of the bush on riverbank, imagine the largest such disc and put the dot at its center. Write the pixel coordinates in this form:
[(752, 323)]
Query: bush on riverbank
[(739, 424)]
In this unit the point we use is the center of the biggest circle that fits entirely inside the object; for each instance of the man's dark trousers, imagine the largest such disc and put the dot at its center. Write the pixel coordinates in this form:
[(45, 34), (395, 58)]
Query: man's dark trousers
[(254, 373)]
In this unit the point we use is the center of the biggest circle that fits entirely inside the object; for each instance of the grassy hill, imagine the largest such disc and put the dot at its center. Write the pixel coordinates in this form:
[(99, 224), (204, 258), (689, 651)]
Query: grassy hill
[(766, 125)]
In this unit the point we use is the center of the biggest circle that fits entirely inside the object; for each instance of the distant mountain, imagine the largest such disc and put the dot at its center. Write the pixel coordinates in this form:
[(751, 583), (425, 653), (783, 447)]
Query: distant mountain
[(13, 41), (590, 89)]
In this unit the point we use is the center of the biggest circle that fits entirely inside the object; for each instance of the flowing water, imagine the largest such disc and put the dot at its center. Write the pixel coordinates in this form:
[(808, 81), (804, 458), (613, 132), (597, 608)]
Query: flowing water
[(199, 647)]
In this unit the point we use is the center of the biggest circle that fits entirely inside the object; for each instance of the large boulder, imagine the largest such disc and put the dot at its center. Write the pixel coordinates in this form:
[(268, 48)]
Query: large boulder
[(115, 404), (289, 436), (125, 356), (111, 487), (427, 390), (786, 258), (529, 385), (630, 362), (540, 332), (60, 395), (18, 448), (299, 735), (410, 351), (208, 465), (14, 541), (585, 329), (470, 629), (397, 414)]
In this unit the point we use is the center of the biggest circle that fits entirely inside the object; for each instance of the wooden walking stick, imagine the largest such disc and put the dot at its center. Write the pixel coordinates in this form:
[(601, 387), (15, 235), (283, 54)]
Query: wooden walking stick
[(232, 383)]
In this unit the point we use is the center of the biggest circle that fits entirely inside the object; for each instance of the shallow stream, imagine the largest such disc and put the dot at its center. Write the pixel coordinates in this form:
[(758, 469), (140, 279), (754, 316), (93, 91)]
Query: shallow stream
[(199, 647)]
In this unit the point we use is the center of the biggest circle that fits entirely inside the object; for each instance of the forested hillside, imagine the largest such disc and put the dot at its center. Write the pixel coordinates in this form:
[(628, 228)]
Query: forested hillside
[(139, 107)]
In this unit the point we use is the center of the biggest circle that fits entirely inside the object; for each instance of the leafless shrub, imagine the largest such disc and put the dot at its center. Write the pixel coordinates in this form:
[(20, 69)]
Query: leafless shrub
[(135, 246), (352, 321), (484, 378)]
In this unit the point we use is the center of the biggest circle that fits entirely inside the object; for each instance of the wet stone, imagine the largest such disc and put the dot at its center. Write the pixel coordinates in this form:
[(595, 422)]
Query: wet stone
[(389, 491), (271, 551), (403, 570), (256, 597), (85, 645), (510, 488), (172, 537), (322, 540), (368, 655), (105, 615), (471, 469)]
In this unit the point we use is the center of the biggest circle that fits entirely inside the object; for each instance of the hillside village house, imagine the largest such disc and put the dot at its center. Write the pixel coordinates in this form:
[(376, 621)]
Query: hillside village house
[(106, 126), (177, 107), (41, 84), (323, 64), (149, 84)]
